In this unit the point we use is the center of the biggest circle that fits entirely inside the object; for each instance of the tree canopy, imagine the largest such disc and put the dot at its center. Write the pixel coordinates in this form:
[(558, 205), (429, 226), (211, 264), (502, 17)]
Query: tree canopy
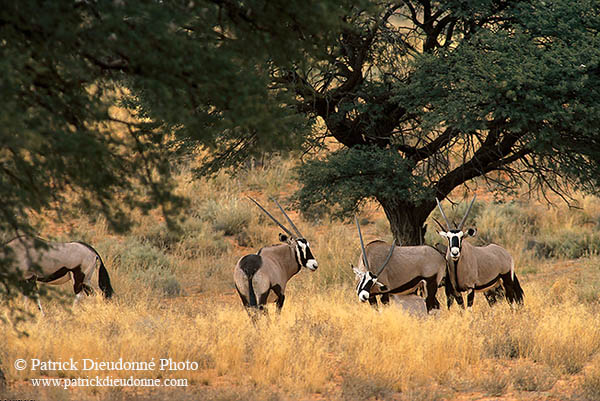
[(100, 97), (428, 95), (416, 98)]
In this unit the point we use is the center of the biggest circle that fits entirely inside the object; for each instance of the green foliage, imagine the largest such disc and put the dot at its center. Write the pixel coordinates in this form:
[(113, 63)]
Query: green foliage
[(185, 74), (346, 178), (535, 78), (148, 265), (193, 238), (570, 244), (230, 216)]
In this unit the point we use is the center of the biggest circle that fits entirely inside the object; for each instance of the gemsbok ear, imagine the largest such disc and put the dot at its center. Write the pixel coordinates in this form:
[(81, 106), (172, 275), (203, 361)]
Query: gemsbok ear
[(356, 271), (443, 234), (471, 232), (283, 237)]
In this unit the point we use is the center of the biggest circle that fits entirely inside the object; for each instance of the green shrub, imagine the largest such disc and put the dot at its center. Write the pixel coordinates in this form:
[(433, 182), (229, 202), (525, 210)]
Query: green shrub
[(148, 266), (199, 238), (566, 243), (229, 215)]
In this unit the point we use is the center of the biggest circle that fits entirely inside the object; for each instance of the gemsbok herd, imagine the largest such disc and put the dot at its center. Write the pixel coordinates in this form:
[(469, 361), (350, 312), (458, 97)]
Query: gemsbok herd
[(411, 275), (408, 275)]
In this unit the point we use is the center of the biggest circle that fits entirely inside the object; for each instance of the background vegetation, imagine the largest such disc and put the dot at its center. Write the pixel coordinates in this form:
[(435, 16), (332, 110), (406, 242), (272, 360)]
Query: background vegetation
[(174, 298), (112, 110)]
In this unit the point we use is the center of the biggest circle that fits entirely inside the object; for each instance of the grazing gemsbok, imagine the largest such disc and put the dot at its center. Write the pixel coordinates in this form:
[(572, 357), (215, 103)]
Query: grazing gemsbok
[(477, 268), (413, 304), (401, 271), (56, 263), (272, 267)]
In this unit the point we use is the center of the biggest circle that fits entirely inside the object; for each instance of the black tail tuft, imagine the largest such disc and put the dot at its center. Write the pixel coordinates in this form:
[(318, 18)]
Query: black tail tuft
[(104, 281), (518, 291), (250, 265)]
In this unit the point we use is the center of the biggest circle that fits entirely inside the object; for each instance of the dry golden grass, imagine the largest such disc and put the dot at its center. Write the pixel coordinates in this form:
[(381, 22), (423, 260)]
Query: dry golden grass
[(320, 344), (324, 344)]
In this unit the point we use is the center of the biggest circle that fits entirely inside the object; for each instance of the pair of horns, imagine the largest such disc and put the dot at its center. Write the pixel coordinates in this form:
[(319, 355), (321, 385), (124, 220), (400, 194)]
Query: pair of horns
[(448, 225), (364, 252), (298, 234)]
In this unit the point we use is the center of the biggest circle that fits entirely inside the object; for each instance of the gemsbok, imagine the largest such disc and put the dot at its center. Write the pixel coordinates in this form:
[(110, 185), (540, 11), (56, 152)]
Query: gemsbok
[(36, 260), (477, 268), (256, 275), (401, 271), (413, 304)]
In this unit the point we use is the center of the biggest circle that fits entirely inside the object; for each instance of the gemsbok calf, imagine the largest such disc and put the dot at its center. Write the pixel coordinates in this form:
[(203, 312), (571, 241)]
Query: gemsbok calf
[(413, 304), (256, 275), (401, 270), (477, 268), (36, 260)]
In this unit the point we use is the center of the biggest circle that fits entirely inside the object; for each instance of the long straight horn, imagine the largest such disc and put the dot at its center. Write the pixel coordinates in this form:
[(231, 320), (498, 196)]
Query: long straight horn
[(443, 214), (362, 244), (460, 226), (439, 224), (387, 259), (272, 218), (288, 218)]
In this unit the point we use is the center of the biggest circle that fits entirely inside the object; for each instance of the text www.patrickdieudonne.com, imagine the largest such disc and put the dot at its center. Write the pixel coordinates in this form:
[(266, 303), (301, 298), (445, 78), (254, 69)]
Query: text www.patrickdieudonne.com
[(107, 382), (93, 365)]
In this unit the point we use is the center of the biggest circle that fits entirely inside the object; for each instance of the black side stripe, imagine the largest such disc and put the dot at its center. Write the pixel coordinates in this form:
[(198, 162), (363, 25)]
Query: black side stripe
[(408, 286), (54, 276), (484, 286)]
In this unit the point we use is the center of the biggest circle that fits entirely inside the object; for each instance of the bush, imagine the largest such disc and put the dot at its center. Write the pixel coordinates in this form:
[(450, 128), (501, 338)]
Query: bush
[(149, 266), (531, 377), (199, 239), (229, 215), (566, 243)]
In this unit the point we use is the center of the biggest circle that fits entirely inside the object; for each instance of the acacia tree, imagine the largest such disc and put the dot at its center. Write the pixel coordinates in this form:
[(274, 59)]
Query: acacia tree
[(186, 72), (420, 97)]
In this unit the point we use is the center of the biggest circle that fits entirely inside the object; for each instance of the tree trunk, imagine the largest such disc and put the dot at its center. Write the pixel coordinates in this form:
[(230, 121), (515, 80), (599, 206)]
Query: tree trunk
[(407, 220)]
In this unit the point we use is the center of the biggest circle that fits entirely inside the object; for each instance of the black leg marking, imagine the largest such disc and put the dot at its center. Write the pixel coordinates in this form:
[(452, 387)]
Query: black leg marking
[(373, 301), (459, 300), (78, 278), (470, 298), (492, 296), (280, 296), (431, 301), (385, 299), (87, 289), (449, 293)]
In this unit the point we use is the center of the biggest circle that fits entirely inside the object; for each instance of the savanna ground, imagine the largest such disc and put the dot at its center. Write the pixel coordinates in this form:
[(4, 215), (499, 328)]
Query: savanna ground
[(175, 299)]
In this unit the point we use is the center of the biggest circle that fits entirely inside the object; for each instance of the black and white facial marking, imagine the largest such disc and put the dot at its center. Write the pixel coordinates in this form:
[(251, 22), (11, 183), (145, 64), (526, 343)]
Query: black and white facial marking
[(303, 253), (366, 280), (455, 238)]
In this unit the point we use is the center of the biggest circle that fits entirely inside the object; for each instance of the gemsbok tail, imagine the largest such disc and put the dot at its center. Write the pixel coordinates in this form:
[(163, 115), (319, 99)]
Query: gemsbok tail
[(250, 265), (103, 278), (518, 291)]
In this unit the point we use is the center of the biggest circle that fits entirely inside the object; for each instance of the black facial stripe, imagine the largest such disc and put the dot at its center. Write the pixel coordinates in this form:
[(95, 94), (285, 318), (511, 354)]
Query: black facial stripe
[(304, 253), (454, 241), (365, 284)]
